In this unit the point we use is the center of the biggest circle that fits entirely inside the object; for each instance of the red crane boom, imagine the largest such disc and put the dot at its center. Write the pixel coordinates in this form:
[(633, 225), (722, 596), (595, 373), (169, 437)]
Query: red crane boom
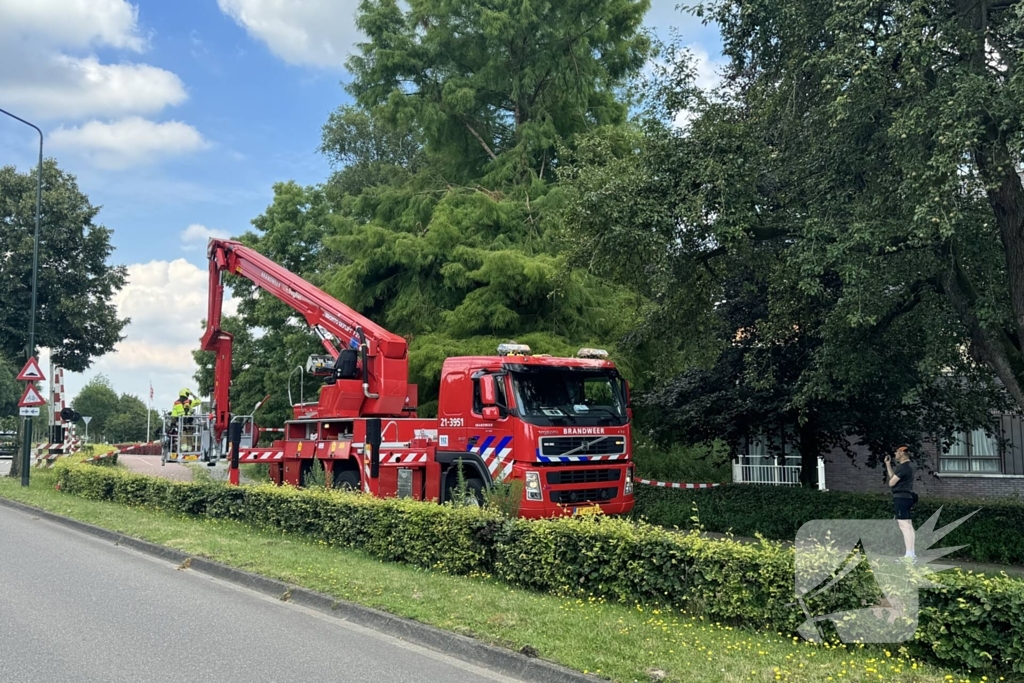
[(382, 390)]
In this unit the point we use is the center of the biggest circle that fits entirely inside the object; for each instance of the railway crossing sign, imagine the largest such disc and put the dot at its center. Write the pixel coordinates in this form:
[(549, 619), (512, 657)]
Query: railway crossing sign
[(31, 372), (31, 398)]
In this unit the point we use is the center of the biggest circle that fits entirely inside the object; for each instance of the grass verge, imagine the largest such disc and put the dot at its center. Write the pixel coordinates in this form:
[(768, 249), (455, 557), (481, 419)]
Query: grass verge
[(624, 643)]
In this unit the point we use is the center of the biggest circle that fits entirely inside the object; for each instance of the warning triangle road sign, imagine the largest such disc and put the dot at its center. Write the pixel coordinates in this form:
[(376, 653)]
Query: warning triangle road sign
[(31, 372), (31, 397)]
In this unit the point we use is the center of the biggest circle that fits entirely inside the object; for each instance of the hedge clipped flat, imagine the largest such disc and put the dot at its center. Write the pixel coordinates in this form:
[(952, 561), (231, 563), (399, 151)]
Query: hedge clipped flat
[(995, 534), (968, 621)]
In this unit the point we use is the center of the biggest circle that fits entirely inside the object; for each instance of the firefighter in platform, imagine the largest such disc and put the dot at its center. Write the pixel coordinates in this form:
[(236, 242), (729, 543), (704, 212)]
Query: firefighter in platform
[(182, 408), (186, 403)]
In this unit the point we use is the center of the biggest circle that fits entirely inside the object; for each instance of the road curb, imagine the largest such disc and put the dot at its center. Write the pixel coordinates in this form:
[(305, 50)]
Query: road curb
[(470, 650)]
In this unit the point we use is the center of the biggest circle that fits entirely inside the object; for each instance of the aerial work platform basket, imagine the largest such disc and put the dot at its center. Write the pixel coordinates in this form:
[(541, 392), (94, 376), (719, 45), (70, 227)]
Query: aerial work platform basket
[(190, 438)]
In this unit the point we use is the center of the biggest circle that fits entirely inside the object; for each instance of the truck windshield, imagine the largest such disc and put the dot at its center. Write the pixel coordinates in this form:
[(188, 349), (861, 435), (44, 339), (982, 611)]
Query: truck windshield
[(569, 396)]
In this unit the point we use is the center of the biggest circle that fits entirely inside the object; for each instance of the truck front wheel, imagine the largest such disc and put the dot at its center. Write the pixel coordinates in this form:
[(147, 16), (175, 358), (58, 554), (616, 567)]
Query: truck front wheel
[(346, 480), (474, 490)]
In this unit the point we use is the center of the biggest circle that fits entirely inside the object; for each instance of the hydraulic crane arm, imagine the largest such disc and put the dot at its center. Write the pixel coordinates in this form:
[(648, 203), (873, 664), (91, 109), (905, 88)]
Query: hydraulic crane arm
[(383, 389)]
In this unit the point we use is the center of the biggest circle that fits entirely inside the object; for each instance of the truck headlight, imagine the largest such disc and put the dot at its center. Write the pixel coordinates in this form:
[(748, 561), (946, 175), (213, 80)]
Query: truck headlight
[(628, 488), (533, 491)]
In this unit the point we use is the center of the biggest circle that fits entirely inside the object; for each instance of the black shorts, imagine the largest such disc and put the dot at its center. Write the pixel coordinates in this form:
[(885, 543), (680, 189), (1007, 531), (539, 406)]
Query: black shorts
[(902, 506)]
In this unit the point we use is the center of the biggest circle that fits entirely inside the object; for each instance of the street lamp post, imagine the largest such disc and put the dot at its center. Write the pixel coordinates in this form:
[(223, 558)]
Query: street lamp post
[(26, 448)]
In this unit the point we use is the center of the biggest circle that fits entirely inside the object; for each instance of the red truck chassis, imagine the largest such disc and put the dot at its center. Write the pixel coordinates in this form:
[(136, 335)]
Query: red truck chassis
[(561, 425)]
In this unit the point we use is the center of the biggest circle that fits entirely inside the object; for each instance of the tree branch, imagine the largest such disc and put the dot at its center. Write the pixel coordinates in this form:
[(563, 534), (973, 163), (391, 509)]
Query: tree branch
[(486, 147), (917, 291), (991, 346)]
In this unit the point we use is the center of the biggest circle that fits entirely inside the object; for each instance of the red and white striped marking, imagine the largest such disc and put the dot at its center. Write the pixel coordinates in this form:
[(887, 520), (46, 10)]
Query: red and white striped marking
[(676, 484), (366, 470), (58, 395), (499, 463), (71, 441), (260, 455), (404, 458)]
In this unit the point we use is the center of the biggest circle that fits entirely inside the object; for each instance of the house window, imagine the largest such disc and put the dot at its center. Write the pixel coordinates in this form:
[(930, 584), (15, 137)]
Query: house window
[(973, 452)]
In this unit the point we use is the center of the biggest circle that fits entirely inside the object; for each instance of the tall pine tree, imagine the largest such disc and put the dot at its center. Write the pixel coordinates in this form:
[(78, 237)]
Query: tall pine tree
[(440, 220)]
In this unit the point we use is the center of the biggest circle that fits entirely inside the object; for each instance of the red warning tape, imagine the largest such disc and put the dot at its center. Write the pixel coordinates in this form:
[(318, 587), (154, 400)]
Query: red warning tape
[(129, 449), (675, 484)]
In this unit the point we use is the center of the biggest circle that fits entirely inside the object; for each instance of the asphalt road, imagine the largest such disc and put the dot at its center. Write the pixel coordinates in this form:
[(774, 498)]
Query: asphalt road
[(75, 608)]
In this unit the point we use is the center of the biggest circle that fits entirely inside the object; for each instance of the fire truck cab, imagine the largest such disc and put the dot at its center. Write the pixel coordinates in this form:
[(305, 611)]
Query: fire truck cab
[(559, 424)]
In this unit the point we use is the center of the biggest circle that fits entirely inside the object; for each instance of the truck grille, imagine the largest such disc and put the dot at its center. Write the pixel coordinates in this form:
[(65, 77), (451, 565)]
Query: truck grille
[(554, 446), (584, 496), (582, 476)]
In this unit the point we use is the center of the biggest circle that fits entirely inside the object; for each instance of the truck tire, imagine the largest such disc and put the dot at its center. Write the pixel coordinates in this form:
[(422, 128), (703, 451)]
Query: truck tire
[(474, 489), (346, 480)]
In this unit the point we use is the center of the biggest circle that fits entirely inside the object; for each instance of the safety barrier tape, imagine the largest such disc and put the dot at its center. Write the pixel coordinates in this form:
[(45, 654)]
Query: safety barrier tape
[(129, 449), (675, 485)]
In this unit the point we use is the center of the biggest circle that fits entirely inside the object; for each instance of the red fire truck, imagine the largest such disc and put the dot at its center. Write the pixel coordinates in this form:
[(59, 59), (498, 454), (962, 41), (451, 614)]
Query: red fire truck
[(562, 425)]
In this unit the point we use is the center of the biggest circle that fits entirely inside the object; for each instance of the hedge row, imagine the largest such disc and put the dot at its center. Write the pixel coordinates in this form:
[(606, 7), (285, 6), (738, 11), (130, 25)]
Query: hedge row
[(995, 534), (964, 623)]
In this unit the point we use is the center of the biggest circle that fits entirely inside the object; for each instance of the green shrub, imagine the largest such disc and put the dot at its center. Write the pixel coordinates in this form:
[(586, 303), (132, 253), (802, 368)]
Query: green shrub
[(703, 464), (974, 621), (505, 497), (967, 621), (315, 477), (257, 471), (995, 534)]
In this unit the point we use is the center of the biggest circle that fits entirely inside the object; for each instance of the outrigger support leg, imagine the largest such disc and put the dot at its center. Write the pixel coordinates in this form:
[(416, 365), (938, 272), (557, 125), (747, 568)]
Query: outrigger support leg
[(235, 441)]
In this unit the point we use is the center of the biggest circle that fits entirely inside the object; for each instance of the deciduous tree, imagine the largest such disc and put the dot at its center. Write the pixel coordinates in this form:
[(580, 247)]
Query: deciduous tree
[(844, 169), (98, 400), (76, 315)]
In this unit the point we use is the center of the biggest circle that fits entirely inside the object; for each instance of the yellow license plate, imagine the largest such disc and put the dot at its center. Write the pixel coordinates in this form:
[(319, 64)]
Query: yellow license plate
[(191, 457), (587, 510)]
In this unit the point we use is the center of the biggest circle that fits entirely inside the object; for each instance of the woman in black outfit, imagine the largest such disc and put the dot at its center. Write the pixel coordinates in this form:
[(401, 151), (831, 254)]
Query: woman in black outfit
[(901, 483)]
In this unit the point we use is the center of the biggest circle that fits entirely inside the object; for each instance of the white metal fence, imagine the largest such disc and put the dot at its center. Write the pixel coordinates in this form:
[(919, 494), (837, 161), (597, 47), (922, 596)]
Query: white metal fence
[(763, 469)]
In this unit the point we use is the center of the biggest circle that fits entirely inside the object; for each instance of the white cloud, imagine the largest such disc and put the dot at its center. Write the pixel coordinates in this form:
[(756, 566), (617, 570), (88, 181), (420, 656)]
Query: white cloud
[(73, 23), (706, 75), (166, 301), (49, 73), (128, 142), (195, 236), (708, 70), (311, 32), (61, 86)]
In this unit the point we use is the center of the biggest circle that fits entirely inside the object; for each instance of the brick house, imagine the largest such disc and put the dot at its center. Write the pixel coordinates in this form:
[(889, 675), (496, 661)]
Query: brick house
[(978, 465)]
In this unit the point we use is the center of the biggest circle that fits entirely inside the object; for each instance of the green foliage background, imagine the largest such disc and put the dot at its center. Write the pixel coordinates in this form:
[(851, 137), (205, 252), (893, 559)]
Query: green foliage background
[(994, 535), (440, 222), (115, 418), (825, 249)]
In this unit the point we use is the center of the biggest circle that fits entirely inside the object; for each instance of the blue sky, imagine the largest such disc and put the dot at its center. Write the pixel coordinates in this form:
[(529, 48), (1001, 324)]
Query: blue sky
[(177, 118)]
